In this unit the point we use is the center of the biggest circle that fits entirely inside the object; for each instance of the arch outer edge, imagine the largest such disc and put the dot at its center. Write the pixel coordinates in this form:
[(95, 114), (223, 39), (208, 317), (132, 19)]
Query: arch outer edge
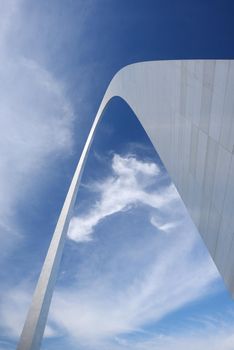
[(186, 109)]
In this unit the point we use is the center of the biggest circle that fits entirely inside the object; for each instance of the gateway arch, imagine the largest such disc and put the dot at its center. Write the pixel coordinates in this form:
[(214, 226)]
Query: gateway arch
[(187, 109)]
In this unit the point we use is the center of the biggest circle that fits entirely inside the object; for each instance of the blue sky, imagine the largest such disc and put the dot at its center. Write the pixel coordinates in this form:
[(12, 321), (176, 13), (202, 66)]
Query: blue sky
[(135, 273)]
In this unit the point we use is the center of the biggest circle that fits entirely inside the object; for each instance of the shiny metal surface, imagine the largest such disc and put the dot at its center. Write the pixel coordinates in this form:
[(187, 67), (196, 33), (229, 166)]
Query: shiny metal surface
[(187, 110)]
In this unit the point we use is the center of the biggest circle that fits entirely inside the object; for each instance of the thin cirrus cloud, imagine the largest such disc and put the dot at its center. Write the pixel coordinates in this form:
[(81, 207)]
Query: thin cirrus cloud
[(13, 308), (127, 186), (216, 337), (160, 286), (101, 311), (36, 121), (166, 227)]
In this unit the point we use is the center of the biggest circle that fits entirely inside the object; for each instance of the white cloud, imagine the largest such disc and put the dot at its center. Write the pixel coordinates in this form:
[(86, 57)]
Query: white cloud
[(35, 126), (216, 334), (13, 308), (168, 279), (166, 227), (101, 310), (97, 309), (220, 337), (128, 185), (36, 122)]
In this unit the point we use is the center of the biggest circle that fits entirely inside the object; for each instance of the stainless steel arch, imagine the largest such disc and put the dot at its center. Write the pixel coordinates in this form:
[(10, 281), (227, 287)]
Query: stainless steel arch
[(187, 110)]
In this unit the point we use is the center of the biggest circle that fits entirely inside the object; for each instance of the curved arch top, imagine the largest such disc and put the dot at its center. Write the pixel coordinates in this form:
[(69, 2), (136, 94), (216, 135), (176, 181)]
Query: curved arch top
[(187, 110)]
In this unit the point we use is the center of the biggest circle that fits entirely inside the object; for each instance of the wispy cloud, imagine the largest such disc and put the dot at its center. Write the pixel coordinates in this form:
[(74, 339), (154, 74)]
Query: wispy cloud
[(164, 277), (128, 185), (221, 336), (129, 284), (157, 290), (161, 225), (135, 283), (36, 122), (13, 307)]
